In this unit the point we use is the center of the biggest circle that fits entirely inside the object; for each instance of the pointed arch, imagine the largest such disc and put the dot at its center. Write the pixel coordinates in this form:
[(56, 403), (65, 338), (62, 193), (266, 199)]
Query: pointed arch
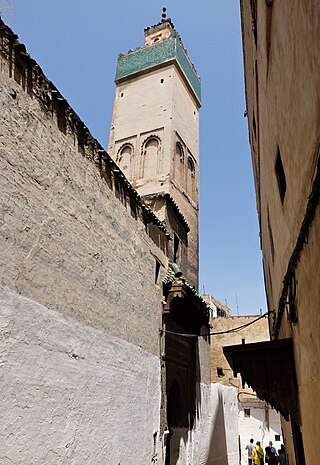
[(191, 177), (150, 159), (125, 159), (176, 408), (179, 163)]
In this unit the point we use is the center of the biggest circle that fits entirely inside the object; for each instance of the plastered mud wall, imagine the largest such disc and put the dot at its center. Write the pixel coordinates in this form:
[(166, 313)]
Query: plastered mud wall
[(80, 312), (73, 232)]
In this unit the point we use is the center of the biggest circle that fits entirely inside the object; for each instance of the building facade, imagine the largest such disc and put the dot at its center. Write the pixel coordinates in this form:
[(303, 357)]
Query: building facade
[(282, 58), (154, 136), (105, 348), (255, 418)]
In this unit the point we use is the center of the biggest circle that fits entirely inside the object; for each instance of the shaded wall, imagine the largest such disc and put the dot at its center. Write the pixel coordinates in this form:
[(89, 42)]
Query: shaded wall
[(281, 55)]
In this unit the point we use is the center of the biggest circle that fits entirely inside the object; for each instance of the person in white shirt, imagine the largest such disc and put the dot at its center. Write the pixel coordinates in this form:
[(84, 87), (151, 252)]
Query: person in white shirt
[(249, 448)]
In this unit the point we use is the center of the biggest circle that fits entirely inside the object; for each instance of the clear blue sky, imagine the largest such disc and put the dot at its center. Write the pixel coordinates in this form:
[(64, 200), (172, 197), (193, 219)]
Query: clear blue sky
[(76, 43)]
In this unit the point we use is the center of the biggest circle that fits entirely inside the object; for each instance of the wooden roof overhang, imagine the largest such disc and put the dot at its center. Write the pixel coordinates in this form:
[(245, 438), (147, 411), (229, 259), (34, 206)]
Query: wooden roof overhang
[(268, 367), (186, 307)]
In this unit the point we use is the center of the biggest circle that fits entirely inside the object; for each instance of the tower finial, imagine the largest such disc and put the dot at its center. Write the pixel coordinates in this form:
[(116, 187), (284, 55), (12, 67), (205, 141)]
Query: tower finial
[(164, 14)]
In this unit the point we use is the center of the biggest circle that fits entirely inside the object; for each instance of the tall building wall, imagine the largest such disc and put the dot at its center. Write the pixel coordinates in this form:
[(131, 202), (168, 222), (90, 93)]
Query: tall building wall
[(154, 134), (80, 310), (85, 361), (64, 230), (142, 107), (281, 55)]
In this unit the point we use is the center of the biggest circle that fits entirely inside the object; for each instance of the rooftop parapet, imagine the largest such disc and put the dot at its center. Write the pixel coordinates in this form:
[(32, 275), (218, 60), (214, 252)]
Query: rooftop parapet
[(160, 53)]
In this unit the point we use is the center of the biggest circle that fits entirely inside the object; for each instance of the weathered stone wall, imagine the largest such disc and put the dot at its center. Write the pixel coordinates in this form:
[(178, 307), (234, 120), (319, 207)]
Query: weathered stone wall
[(283, 93), (67, 241), (80, 310)]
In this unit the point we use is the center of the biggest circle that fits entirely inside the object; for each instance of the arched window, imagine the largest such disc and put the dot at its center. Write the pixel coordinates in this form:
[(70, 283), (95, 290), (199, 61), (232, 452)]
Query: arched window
[(179, 152), (150, 157), (179, 164), (191, 177), (124, 159)]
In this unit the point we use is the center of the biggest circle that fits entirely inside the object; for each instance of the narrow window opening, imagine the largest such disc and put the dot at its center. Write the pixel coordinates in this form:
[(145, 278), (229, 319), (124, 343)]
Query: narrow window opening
[(122, 94), (157, 38), (247, 413), (190, 177), (270, 235), (254, 19), (282, 184), (179, 152), (221, 312), (254, 127), (176, 243), (268, 29), (162, 81), (277, 438), (220, 372), (157, 272)]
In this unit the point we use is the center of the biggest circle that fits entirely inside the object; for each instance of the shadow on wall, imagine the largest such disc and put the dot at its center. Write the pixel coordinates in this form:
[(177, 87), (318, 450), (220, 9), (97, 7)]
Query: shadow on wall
[(217, 452), (197, 400), (177, 446), (183, 382)]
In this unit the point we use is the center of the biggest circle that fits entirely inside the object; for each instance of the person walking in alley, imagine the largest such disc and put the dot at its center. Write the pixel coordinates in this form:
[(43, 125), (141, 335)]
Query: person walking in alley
[(273, 459), (271, 455), (257, 454), (282, 455), (249, 448), (272, 448)]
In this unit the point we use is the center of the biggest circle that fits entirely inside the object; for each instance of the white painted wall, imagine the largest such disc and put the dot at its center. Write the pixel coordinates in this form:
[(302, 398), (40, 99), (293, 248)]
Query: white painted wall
[(256, 427), (70, 393), (215, 439), (223, 448)]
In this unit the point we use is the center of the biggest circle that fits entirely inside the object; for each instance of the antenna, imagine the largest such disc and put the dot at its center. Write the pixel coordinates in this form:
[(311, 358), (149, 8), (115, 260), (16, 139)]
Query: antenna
[(237, 305)]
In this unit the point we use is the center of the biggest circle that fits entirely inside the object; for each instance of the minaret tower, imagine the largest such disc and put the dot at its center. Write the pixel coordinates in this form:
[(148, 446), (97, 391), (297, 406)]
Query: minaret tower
[(154, 136)]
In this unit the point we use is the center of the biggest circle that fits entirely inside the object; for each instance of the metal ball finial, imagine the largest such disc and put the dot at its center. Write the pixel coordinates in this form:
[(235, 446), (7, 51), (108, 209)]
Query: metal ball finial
[(164, 14)]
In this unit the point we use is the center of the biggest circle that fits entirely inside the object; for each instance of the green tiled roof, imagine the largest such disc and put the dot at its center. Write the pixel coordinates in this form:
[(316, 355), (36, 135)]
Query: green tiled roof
[(148, 57)]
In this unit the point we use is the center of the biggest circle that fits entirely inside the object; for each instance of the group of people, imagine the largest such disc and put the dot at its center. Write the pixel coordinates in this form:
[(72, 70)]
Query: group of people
[(256, 456)]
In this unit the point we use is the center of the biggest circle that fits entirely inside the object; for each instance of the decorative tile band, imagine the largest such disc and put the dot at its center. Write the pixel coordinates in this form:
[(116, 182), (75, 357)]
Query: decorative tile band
[(148, 57)]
